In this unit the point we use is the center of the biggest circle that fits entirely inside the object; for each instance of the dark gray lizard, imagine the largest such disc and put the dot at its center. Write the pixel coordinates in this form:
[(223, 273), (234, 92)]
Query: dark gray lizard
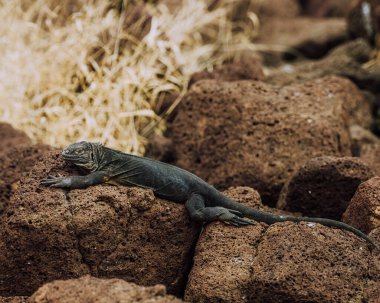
[(203, 202)]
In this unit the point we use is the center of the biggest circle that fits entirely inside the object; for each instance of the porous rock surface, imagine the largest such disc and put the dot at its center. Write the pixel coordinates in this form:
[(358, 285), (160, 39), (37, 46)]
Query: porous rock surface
[(285, 262), (276, 8), (106, 231), (324, 186), (363, 19), (363, 212), (312, 37), (254, 134), (11, 137), (17, 156), (369, 153), (14, 163), (91, 289), (344, 60), (13, 299), (326, 8), (248, 68), (362, 138)]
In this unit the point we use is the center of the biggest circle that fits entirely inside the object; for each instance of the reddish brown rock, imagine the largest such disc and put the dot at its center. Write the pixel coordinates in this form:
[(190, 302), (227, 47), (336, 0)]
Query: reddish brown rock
[(106, 231), (345, 60), (363, 19), (91, 289), (13, 299), (363, 212), (326, 8), (222, 249), (249, 68), (276, 8), (361, 138), (285, 262), (311, 37), (311, 263), (11, 137), (369, 153), (160, 148), (14, 163), (324, 186), (239, 9), (375, 235), (251, 133)]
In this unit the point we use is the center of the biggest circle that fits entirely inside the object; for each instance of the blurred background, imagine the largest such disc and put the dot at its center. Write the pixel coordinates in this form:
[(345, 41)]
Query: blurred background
[(114, 71), (98, 70)]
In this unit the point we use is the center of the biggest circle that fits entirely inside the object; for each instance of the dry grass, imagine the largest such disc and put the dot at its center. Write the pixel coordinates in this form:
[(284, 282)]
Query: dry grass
[(78, 70)]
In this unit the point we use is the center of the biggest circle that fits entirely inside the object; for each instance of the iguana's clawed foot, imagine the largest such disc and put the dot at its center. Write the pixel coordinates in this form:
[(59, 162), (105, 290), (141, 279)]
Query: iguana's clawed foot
[(60, 182), (233, 217)]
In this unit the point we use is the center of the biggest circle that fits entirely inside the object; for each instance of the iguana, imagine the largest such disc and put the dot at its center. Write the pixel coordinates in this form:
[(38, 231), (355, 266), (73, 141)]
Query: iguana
[(203, 202)]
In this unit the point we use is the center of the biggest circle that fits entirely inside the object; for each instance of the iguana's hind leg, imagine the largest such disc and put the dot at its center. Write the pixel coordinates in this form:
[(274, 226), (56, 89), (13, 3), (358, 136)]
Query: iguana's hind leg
[(199, 212)]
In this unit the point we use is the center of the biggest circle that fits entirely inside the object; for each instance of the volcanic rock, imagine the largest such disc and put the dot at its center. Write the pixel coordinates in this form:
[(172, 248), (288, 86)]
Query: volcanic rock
[(106, 231), (248, 68), (311, 37), (326, 8), (363, 19), (370, 155), (11, 137), (14, 163), (13, 299), (91, 289), (324, 186), (363, 212), (345, 60), (285, 262), (277, 8), (253, 134)]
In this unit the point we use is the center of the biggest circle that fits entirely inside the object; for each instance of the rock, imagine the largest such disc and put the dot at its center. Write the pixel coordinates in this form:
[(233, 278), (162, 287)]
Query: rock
[(249, 68), (285, 262), (360, 138), (209, 285), (106, 231), (325, 8), (91, 289), (311, 263), (239, 9), (369, 153), (160, 148), (363, 19), (372, 293), (13, 299), (363, 212), (165, 101), (14, 163), (253, 134), (311, 37), (17, 156), (324, 186), (11, 137), (375, 235), (345, 60), (277, 8)]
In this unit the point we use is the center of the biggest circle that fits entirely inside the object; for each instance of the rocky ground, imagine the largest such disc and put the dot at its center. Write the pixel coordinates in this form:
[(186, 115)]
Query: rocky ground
[(289, 133)]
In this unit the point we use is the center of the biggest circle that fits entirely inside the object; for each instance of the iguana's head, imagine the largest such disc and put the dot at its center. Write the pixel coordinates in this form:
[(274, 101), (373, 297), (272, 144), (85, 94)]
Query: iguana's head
[(83, 154)]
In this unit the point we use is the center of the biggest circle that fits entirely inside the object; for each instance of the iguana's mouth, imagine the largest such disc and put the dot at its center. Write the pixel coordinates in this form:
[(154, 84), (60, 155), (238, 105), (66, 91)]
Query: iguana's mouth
[(73, 158)]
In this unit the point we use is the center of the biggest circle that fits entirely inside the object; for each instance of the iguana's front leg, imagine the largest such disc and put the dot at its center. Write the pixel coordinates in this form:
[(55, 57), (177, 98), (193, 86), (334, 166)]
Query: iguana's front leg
[(73, 182), (195, 205)]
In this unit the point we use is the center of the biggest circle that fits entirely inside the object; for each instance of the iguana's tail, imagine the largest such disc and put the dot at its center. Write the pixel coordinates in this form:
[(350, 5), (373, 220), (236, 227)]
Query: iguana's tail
[(323, 221), (272, 218)]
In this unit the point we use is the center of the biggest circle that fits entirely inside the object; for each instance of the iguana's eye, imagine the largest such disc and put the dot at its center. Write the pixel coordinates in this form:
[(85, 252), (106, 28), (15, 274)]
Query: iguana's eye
[(79, 151)]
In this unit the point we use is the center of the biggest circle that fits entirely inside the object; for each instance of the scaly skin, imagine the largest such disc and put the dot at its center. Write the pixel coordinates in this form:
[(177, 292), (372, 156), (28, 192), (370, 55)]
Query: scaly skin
[(203, 202)]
